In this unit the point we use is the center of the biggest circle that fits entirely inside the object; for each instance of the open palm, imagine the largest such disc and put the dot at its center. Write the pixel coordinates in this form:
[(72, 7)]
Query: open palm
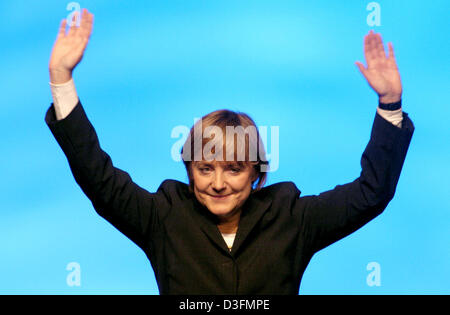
[(69, 48), (382, 72)]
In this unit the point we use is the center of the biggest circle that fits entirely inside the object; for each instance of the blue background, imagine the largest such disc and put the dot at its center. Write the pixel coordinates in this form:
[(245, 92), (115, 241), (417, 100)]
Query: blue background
[(153, 65)]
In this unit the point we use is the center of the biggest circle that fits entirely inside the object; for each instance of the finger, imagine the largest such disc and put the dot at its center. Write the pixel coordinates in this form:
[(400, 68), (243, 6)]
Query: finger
[(361, 68), (84, 17), (391, 51), (369, 50), (90, 24), (380, 53), (391, 59), (62, 29), (86, 24), (81, 18), (73, 24), (81, 29), (83, 24)]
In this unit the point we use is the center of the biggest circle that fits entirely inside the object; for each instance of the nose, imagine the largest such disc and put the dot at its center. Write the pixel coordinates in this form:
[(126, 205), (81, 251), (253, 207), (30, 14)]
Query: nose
[(218, 182)]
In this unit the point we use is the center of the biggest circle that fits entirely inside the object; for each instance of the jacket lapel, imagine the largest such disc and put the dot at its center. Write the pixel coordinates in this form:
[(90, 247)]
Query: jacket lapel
[(208, 224), (253, 210)]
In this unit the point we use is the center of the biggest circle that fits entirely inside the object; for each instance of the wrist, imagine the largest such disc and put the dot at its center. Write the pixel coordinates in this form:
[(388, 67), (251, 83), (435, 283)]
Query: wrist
[(388, 99), (58, 76)]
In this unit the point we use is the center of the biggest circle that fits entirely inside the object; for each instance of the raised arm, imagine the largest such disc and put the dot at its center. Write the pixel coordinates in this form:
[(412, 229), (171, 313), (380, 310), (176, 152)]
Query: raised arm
[(336, 213), (67, 52), (114, 195)]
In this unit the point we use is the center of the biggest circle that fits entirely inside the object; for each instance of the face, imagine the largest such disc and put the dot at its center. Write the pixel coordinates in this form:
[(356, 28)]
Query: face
[(223, 186)]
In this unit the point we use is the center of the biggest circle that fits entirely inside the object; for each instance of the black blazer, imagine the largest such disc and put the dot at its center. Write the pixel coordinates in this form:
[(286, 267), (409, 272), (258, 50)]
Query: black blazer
[(279, 230)]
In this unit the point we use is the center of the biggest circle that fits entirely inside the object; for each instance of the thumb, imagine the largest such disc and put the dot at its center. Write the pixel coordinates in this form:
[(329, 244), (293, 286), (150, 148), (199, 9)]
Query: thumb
[(361, 67)]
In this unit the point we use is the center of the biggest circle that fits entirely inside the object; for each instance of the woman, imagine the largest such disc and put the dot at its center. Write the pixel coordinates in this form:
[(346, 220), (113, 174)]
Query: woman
[(224, 233)]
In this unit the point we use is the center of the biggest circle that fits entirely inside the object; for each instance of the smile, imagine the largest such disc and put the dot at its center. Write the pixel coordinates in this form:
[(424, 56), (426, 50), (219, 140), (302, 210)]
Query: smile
[(220, 197)]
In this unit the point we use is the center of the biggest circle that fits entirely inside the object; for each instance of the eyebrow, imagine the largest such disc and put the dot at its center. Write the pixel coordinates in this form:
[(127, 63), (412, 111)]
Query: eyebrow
[(228, 164)]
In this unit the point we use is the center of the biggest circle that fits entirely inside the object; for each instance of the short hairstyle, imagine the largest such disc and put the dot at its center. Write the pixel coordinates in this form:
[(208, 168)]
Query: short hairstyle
[(247, 151)]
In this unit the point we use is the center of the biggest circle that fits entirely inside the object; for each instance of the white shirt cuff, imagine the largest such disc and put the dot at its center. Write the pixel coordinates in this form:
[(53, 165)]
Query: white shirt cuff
[(395, 117), (65, 98)]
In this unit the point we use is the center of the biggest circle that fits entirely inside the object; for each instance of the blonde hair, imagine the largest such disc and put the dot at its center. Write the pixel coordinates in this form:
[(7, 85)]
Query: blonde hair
[(246, 152)]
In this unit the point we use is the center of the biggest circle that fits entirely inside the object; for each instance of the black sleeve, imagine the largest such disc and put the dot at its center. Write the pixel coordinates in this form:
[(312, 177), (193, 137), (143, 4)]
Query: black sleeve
[(114, 195), (336, 213)]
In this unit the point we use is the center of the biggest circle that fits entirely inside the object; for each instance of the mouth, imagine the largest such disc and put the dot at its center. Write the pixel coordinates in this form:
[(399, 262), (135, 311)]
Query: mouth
[(220, 197)]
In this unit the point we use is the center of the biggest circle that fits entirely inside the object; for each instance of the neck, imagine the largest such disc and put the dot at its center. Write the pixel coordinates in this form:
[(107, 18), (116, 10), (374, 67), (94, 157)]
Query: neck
[(230, 223)]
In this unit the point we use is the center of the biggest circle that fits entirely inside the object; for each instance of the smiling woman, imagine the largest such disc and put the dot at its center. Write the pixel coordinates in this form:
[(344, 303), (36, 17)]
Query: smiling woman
[(224, 233), (236, 137), (224, 186)]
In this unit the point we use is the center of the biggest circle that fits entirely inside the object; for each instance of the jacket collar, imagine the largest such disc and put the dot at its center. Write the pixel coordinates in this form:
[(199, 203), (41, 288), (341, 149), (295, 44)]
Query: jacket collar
[(253, 209)]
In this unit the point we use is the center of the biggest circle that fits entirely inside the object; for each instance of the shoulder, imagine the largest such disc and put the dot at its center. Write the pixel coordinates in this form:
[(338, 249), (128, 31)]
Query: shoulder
[(281, 194), (281, 189), (174, 190), (282, 200)]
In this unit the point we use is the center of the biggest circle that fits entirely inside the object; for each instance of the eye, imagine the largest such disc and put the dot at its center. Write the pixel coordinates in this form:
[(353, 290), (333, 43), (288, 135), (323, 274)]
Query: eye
[(235, 170), (204, 169)]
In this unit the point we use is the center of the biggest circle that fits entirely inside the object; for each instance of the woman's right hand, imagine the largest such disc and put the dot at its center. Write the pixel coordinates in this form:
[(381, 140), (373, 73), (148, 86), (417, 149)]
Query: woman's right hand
[(69, 48)]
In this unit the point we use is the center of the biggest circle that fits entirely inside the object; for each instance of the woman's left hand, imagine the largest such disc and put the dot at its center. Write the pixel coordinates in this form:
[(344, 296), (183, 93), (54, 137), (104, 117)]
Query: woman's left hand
[(382, 72)]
